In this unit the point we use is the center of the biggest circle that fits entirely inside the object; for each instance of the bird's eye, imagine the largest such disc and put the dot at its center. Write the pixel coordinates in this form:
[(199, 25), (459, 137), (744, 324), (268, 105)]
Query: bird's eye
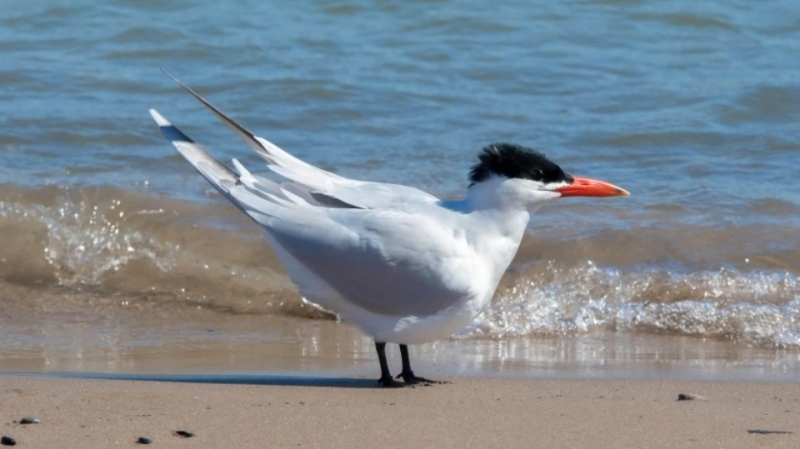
[(537, 173)]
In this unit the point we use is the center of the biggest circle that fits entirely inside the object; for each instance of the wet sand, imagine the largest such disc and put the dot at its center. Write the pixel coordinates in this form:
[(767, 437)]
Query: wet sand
[(105, 379), (139, 342), (344, 413)]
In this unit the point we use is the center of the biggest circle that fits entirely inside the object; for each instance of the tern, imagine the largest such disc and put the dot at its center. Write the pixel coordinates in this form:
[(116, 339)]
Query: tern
[(401, 264)]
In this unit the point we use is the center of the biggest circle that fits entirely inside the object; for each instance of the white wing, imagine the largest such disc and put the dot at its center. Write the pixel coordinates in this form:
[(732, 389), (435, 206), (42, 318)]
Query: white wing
[(384, 261), (326, 187), (388, 262)]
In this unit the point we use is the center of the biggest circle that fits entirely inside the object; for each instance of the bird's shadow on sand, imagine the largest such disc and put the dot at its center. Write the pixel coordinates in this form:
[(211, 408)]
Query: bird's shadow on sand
[(230, 379)]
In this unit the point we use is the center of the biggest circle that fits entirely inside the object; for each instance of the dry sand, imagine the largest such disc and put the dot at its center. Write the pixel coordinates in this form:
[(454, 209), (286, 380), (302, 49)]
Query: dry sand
[(341, 413)]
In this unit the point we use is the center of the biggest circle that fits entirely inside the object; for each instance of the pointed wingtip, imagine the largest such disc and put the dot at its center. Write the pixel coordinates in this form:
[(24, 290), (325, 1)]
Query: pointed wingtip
[(243, 132), (184, 86), (160, 120), (172, 76), (169, 130)]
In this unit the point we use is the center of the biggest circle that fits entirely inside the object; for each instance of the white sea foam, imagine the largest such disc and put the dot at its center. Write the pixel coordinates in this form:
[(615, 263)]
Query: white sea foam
[(758, 308)]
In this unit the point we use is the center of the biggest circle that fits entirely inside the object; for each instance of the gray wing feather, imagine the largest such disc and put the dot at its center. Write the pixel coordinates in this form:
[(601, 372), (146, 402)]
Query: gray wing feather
[(349, 249)]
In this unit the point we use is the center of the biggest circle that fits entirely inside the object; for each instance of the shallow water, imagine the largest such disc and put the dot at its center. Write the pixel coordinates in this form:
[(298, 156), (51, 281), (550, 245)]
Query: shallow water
[(215, 347), (693, 108)]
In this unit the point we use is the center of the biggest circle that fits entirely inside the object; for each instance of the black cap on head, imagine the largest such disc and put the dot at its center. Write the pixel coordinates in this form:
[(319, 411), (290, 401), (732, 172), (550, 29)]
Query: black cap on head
[(515, 161)]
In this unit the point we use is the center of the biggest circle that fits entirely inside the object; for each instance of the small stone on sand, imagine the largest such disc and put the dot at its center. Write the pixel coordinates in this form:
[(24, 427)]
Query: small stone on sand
[(30, 420), (8, 441), (691, 397), (144, 440), (183, 433), (768, 432)]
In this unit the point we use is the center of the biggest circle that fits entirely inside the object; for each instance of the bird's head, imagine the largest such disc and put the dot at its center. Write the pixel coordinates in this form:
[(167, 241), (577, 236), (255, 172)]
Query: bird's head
[(523, 176)]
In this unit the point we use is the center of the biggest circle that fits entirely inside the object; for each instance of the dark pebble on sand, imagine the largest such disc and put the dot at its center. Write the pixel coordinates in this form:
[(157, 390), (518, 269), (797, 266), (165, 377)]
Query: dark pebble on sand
[(183, 433), (8, 441), (690, 397), (30, 420), (144, 440), (768, 432)]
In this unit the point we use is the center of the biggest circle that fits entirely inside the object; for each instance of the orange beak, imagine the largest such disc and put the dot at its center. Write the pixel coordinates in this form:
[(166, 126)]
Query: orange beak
[(591, 187)]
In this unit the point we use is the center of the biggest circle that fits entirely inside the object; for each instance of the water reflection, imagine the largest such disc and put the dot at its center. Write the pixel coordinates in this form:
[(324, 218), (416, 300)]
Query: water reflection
[(623, 355), (274, 345)]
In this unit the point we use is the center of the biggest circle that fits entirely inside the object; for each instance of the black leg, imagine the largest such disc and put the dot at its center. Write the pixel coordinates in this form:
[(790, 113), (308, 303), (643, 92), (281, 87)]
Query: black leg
[(408, 375), (386, 377)]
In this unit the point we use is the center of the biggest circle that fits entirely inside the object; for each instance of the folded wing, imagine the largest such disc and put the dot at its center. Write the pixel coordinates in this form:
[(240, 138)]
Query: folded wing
[(380, 259)]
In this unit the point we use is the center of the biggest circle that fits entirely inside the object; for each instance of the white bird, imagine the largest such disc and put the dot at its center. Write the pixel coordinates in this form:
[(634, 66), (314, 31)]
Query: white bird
[(402, 265)]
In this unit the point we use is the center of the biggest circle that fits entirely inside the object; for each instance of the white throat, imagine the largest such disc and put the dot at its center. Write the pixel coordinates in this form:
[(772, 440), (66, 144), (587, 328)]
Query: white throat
[(498, 211)]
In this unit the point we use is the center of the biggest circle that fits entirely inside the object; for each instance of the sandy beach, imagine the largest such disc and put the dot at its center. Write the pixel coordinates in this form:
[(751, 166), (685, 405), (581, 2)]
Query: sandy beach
[(259, 381), (346, 413)]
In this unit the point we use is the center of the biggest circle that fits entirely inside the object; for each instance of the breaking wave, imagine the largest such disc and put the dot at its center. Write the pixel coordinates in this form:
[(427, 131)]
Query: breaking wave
[(756, 308), (136, 248)]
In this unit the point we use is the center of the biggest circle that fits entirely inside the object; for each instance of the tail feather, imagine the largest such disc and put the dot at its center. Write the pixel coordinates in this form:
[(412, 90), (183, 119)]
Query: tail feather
[(261, 186)]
